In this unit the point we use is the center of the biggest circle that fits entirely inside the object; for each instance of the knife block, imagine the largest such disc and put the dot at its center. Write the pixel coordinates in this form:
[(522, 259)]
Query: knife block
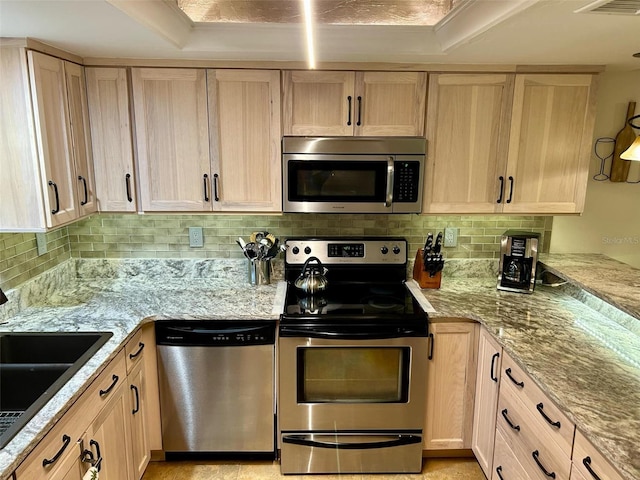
[(422, 277)]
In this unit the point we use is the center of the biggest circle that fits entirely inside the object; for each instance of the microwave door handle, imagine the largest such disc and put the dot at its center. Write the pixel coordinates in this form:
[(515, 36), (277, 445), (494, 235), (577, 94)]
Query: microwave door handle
[(390, 181)]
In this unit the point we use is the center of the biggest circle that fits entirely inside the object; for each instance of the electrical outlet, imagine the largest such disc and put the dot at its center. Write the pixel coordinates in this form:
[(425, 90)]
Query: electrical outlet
[(41, 242), (195, 237), (450, 237)]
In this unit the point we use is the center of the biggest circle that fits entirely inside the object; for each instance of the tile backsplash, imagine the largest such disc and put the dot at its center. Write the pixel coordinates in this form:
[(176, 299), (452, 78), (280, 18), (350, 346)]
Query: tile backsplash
[(166, 236), (19, 259)]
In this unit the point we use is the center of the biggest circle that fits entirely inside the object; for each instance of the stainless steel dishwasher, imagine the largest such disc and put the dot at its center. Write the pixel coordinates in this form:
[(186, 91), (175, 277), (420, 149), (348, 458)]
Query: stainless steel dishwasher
[(217, 387)]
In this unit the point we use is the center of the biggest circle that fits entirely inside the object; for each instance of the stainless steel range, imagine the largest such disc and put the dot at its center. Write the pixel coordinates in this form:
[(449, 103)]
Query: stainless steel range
[(352, 360)]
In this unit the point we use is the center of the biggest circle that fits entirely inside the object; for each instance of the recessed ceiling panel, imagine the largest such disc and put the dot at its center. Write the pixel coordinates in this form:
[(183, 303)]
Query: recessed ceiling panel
[(331, 12)]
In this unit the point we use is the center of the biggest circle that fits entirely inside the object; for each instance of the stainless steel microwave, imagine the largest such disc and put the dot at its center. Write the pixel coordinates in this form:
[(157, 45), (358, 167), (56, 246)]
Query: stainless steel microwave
[(353, 174)]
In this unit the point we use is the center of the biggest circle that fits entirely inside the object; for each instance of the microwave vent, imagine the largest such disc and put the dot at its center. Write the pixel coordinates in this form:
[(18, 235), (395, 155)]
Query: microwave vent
[(612, 7)]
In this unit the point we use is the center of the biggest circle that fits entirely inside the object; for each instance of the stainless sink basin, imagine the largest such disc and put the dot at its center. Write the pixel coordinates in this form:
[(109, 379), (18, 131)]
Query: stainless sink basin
[(33, 367)]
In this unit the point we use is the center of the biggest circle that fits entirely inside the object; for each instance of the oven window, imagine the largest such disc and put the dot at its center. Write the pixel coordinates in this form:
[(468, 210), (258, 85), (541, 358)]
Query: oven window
[(315, 181), (353, 374)]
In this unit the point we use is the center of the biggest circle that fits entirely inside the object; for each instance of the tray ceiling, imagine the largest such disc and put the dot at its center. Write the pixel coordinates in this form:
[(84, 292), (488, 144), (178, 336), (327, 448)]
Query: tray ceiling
[(333, 12)]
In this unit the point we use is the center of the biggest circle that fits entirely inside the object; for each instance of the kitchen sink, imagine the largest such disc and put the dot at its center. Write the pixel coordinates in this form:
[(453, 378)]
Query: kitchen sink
[(28, 348), (33, 367)]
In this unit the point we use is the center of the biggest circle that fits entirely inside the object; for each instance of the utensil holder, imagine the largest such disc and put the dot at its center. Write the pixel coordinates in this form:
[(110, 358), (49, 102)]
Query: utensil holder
[(259, 272), (422, 277)]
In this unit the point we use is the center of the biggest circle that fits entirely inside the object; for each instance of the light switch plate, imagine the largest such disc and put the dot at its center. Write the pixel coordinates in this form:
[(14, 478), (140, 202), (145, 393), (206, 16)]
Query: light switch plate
[(41, 242), (195, 237), (450, 237)]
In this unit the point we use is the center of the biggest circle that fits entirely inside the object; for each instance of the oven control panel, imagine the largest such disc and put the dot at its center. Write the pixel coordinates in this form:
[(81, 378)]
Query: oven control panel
[(392, 251)]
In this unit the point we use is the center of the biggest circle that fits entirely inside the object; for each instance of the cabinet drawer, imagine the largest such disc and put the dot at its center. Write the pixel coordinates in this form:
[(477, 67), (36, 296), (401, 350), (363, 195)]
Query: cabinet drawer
[(62, 440), (551, 420), (505, 463), (62, 450), (586, 458), (102, 388), (531, 444), (134, 350)]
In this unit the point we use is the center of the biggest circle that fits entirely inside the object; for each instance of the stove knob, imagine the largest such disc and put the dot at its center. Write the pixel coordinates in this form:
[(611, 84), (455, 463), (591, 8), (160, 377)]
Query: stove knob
[(307, 250), (384, 250), (295, 250), (396, 250)]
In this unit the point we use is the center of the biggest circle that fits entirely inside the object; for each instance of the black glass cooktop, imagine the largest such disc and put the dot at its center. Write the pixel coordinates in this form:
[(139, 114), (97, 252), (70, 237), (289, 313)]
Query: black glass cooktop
[(353, 300)]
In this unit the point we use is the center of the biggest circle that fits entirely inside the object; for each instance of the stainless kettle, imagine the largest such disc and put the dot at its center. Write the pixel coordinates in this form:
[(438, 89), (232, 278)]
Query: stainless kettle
[(312, 277)]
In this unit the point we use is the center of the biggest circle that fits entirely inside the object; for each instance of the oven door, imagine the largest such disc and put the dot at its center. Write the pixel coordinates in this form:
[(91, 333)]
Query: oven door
[(351, 384)]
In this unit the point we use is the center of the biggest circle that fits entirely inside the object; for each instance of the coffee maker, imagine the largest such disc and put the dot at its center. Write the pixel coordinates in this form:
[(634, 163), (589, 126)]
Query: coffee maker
[(518, 258)]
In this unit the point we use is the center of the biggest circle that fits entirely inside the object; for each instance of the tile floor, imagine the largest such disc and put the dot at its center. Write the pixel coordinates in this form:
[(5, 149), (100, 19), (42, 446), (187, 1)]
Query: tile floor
[(433, 469)]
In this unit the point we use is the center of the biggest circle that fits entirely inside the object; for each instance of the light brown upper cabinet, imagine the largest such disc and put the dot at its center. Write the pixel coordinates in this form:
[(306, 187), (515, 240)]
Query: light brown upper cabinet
[(244, 119), (47, 175), (508, 143), (354, 103), (199, 150), (467, 133), (81, 138), (172, 136), (108, 95), (550, 143)]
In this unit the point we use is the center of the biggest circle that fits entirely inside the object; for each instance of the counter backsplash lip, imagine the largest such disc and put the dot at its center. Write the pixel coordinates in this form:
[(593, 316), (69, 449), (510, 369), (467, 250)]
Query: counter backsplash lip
[(120, 295)]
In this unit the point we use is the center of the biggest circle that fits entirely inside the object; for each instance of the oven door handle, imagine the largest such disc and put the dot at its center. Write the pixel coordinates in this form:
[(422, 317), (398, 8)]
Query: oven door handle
[(307, 441), (291, 331)]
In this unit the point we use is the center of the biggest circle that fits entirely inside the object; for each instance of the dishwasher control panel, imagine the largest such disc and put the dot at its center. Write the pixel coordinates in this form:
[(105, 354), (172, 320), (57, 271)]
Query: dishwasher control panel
[(215, 333)]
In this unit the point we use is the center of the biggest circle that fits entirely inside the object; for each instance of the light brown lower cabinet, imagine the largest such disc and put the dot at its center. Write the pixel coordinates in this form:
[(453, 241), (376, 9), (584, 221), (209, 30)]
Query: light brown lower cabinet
[(451, 378), (107, 423), (486, 402), (137, 408), (505, 462), (109, 436), (589, 463), (73, 465)]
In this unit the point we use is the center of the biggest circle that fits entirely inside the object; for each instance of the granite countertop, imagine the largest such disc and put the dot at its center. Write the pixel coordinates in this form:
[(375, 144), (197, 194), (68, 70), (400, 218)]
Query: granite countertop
[(611, 280), (585, 355)]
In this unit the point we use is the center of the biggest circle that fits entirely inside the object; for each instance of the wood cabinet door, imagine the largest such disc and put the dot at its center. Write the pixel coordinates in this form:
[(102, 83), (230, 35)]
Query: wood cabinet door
[(244, 108), (140, 451), (172, 138), (451, 378), (22, 191), (109, 436), (81, 139), (486, 401), (550, 143), (390, 103), (50, 107), (108, 96), (467, 132), (318, 103)]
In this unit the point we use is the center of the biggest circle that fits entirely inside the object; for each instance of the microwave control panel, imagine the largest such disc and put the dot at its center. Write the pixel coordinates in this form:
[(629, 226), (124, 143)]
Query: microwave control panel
[(406, 184)]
